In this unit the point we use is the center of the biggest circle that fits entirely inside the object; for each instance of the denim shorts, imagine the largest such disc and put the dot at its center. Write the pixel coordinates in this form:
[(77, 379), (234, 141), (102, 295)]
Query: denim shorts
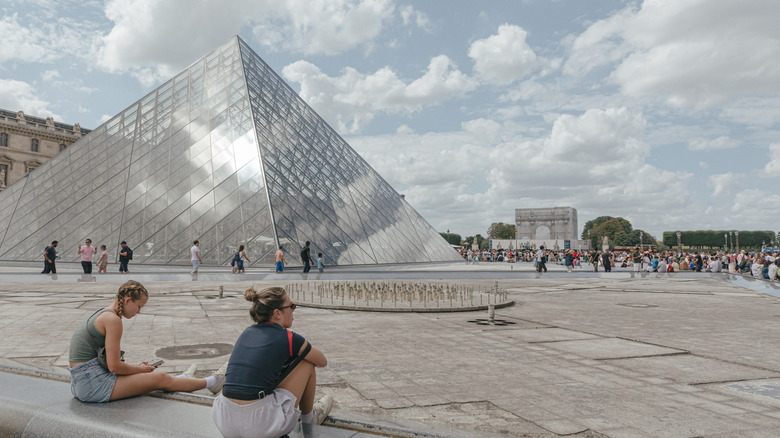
[(272, 416), (195, 264), (279, 267), (91, 383)]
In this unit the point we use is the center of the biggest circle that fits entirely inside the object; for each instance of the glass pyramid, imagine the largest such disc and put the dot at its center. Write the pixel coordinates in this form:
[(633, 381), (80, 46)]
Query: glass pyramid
[(226, 153)]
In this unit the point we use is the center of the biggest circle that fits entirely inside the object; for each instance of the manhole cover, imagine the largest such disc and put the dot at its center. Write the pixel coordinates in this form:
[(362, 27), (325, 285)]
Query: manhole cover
[(198, 351), (637, 305), (484, 321)]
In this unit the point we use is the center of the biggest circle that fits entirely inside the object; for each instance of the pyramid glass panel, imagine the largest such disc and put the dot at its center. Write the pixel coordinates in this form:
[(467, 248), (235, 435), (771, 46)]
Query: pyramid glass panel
[(226, 153)]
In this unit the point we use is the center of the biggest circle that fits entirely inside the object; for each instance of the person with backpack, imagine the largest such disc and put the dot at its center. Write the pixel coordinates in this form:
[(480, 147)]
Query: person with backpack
[(306, 257), (125, 255), (238, 260)]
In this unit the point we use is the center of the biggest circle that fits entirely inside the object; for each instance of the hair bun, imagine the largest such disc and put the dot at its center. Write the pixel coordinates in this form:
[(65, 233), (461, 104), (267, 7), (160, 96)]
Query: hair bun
[(250, 294)]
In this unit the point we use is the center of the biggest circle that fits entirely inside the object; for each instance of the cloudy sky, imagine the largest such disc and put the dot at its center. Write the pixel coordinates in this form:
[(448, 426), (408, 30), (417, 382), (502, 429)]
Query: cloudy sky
[(665, 112)]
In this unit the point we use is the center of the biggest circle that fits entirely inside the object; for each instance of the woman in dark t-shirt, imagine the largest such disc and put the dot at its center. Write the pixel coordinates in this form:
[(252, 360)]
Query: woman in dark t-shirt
[(270, 380)]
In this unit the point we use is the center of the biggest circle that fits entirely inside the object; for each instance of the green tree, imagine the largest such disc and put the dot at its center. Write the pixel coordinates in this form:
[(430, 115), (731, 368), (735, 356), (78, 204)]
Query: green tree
[(618, 230), (452, 238), (500, 230), (482, 243)]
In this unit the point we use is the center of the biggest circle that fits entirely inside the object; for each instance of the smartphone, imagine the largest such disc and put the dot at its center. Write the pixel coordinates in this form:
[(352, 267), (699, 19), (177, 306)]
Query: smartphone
[(157, 364)]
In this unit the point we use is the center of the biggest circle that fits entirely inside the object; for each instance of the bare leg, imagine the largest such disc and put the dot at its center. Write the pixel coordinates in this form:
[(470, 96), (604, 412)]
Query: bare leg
[(137, 384), (302, 382)]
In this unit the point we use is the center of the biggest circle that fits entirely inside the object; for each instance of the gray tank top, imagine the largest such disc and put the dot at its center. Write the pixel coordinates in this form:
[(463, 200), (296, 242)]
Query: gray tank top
[(80, 349)]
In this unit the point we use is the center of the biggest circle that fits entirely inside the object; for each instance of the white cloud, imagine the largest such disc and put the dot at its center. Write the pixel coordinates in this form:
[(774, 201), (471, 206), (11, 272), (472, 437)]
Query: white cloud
[(503, 58), (594, 162), (18, 95), (34, 39), (409, 14), (693, 53), (725, 184), (50, 75), (720, 143), (351, 100), (148, 41), (772, 167)]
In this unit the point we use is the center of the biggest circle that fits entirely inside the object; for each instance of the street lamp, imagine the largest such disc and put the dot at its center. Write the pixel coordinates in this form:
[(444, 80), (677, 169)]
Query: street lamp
[(679, 242), (641, 236), (726, 239), (731, 241), (736, 237)]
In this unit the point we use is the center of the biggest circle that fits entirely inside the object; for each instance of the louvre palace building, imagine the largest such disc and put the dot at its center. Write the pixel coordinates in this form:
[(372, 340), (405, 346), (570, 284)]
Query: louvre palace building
[(26, 142)]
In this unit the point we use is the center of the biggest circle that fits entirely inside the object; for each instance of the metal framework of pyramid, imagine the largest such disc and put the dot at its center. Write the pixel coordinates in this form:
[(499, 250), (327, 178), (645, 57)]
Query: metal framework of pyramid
[(226, 153)]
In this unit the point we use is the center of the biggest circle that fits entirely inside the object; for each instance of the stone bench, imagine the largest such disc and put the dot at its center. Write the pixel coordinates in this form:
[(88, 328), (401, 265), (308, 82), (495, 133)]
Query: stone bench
[(37, 407)]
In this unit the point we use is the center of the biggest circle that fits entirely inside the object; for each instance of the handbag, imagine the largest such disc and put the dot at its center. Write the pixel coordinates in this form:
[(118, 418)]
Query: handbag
[(100, 351)]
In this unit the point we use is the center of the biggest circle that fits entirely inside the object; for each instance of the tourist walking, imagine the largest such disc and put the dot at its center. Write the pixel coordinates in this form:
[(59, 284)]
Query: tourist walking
[(606, 260), (279, 259), (271, 378), (541, 259), (102, 262), (238, 260), (86, 252), (125, 255), (306, 257), (195, 260), (568, 260), (320, 263), (97, 371), (49, 258)]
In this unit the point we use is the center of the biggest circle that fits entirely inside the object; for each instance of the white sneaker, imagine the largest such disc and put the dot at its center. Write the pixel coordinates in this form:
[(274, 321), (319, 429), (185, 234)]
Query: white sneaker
[(190, 373), (220, 375), (322, 409)]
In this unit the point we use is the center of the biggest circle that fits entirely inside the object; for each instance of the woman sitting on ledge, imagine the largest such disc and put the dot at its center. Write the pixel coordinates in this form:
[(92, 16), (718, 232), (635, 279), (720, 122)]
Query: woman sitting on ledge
[(270, 377), (91, 382)]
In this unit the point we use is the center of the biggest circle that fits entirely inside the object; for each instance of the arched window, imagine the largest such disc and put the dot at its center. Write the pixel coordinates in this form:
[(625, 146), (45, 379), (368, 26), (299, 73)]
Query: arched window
[(34, 145), (3, 139)]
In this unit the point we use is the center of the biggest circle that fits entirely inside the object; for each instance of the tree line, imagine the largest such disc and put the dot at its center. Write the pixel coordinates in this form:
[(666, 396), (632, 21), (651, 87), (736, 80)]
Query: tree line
[(621, 233)]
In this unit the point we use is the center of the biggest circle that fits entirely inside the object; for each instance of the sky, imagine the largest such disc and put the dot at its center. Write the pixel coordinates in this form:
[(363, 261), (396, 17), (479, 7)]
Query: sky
[(664, 112)]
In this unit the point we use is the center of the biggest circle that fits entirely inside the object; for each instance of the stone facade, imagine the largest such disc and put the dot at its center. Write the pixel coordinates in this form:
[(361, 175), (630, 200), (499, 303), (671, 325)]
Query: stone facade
[(26, 142), (546, 224)]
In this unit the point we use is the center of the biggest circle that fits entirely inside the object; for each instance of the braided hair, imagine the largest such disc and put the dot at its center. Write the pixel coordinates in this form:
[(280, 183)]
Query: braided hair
[(132, 289), (264, 302)]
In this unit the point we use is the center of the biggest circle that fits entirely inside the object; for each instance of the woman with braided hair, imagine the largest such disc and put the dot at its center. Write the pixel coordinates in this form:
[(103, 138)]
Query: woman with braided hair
[(91, 382), (270, 377)]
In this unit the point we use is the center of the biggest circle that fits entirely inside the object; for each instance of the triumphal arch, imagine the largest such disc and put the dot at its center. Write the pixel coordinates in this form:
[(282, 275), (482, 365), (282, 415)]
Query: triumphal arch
[(546, 223)]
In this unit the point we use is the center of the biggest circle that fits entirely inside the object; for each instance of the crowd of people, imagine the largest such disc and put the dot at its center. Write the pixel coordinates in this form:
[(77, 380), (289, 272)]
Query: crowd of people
[(756, 264)]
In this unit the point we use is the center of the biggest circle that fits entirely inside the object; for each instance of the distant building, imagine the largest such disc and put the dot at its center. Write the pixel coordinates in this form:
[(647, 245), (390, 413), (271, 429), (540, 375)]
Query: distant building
[(555, 228), (26, 142)]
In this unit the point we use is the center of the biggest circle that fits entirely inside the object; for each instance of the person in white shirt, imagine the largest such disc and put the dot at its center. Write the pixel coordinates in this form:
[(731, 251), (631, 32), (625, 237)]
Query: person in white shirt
[(773, 269), (540, 260), (755, 268), (195, 260)]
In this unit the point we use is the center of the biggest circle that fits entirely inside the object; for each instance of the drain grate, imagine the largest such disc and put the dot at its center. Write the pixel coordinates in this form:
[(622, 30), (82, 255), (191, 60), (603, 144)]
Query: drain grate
[(485, 321), (198, 351), (637, 305)]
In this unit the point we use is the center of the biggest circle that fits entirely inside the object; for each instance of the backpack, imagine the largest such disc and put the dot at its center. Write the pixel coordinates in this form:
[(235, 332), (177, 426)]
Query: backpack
[(129, 253), (235, 260), (305, 254)]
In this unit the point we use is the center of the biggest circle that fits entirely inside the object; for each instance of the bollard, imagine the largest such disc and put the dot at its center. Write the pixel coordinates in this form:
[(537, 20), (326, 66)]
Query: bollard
[(221, 291), (491, 313)]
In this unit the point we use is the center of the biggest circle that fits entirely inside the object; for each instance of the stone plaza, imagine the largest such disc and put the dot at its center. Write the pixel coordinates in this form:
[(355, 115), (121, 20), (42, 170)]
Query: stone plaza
[(583, 354)]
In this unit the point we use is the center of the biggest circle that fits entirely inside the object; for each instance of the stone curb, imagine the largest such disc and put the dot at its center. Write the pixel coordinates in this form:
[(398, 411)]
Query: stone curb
[(381, 426)]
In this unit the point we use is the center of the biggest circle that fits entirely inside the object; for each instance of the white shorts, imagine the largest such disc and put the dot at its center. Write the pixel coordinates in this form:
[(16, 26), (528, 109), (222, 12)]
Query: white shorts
[(195, 264), (272, 416)]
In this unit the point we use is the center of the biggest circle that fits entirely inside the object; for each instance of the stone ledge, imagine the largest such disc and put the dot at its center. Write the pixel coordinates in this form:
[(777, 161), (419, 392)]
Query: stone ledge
[(37, 407)]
